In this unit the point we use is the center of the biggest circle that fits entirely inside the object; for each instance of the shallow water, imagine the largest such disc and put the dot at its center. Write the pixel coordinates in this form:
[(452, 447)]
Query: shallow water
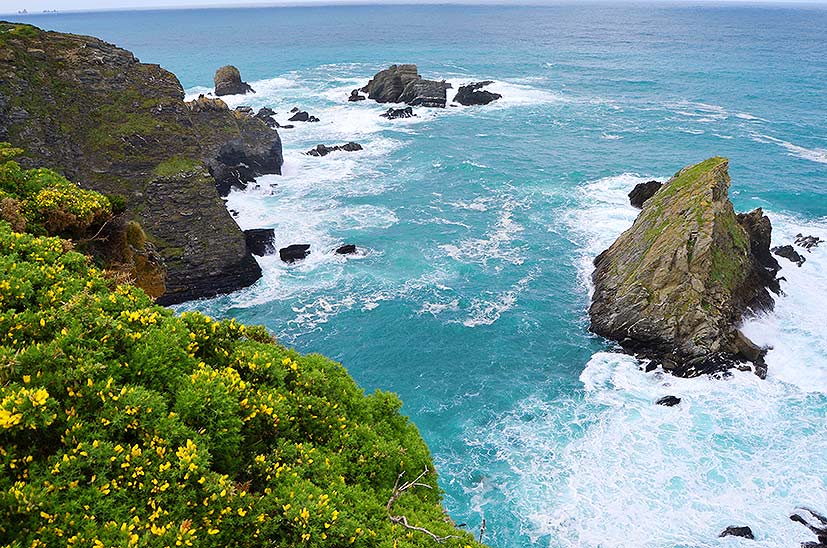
[(478, 226)]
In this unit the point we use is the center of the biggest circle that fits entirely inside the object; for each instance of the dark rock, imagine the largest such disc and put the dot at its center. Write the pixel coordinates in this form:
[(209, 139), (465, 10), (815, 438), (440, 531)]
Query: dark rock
[(260, 241), (816, 523), (312, 119), (668, 401), (425, 93), (675, 286), (355, 96), (807, 242), (735, 531), (228, 82), (244, 110), (347, 249), (789, 253), (294, 109), (387, 85), (266, 115), (264, 111), (473, 94), (295, 252), (287, 126), (394, 113), (164, 155), (324, 150), (642, 192), (300, 116)]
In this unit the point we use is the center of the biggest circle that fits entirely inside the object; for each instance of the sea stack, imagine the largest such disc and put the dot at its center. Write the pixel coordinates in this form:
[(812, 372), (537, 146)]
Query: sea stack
[(228, 82), (403, 84), (675, 286)]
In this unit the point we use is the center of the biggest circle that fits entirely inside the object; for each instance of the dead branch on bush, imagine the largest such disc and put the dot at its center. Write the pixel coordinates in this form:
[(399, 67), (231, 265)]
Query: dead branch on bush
[(397, 492)]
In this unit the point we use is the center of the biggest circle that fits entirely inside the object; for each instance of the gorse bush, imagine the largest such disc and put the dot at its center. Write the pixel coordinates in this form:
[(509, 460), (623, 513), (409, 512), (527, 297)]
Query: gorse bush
[(42, 201), (123, 424)]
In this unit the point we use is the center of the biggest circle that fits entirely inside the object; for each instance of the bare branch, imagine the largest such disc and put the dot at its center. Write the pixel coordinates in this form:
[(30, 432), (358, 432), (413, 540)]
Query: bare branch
[(397, 492)]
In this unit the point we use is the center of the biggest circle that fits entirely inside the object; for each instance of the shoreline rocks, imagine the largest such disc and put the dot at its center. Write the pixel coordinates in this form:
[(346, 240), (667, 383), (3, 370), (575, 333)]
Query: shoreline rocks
[(737, 531), (642, 192), (347, 249), (789, 253), (394, 113), (293, 253), (260, 241), (356, 96), (403, 84), (301, 116), (473, 94), (674, 287), (324, 150), (228, 81)]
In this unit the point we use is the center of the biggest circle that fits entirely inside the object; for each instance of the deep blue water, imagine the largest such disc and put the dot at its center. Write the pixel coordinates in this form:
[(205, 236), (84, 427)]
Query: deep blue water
[(479, 225)]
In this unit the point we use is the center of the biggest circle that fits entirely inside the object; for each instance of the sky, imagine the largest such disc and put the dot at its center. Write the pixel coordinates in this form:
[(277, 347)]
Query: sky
[(34, 6)]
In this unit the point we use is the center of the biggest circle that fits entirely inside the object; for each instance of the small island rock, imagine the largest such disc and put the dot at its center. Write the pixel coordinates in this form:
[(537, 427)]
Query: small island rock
[(228, 82), (473, 94), (347, 249), (295, 252), (324, 150), (668, 401), (735, 531)]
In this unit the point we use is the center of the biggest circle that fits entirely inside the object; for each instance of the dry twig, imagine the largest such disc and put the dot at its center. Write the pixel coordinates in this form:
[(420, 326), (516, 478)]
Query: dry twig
[(397, 492)]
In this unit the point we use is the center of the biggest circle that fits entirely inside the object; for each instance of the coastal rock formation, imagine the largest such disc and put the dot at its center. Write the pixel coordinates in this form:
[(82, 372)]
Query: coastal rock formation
[(228, 82), (807, 242), (403, 84), (674, 286), (260, 241), (324, 150), (816, 523), (668, 401), (735, 531), (295, 252), (356, 96), (473, 94), (789, 253), (642, 192), (347, 249), (302, 116), (394, 113), (121, 127)]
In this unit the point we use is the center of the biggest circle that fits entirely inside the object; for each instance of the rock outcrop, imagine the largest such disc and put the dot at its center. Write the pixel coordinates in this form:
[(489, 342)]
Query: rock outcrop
[(816, 523), (347, 249), (293, 253), (737, 531), (228, 82), (355, 96), (674, 287), (324, 150), (473, 94), (121, 127), (789, 253), (393, 113), (260, 241), (668, 401), (642, 192), (807, 242), (403, 84)]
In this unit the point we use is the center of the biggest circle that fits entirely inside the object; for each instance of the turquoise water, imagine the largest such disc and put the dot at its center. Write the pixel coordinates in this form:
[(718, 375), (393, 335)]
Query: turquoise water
[(478, 227)]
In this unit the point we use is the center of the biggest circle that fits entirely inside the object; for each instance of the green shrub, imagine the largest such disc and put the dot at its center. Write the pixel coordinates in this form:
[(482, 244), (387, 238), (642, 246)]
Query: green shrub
[(123, 424)]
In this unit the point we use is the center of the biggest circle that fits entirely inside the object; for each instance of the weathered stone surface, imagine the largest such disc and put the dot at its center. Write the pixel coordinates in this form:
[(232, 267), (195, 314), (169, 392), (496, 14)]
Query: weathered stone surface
[(260, 241), (394, 113), (118, 126), (295, 252), (473, 94), (425, 93), (675, 286), (642, 192), (789, 253), (736, 531), (228, 82), (324, 150), (387, 85)]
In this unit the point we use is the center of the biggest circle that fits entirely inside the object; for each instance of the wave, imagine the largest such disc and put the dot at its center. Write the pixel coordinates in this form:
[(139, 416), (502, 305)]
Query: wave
[(818, 155)]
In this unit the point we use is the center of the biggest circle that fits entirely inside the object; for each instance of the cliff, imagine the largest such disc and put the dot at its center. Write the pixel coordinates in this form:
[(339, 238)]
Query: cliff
[(121, 127), (675, 286)]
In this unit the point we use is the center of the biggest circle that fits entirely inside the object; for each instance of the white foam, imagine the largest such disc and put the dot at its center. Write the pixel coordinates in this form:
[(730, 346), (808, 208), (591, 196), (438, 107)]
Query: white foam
[(818, 155)]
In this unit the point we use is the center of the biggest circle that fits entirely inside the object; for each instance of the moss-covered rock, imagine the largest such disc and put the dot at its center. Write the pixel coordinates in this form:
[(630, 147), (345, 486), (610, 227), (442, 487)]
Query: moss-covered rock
[(676, 284), (112, 124)]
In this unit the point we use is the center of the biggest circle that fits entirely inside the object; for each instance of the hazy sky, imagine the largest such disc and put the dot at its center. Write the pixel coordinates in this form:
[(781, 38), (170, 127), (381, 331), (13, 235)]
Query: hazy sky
[(12, 6)]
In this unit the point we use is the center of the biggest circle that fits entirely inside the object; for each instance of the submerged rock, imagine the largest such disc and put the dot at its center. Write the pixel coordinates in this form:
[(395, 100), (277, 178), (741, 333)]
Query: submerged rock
[(668, 401), (261, 241), (736, 531), (789, 253), (807, 242), (302, 116), (295, 252), (674, 287), (228, 82), (394, 113), (347, 249), (324, 150), (642, 192), (355, 96), (473, 94)]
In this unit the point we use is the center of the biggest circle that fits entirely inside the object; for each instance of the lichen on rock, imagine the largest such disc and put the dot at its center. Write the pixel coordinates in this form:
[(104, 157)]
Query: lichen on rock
[(675, 286)]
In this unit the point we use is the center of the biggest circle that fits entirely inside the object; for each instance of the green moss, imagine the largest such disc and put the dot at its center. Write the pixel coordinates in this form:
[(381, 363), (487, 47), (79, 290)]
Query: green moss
[(177, 165)]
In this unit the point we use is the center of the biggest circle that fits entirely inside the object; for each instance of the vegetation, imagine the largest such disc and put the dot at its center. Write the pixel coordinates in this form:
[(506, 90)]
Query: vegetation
[(123, 424)]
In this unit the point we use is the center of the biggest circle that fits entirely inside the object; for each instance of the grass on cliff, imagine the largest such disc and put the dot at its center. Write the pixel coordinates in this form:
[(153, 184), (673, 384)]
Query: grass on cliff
[(123, 424)]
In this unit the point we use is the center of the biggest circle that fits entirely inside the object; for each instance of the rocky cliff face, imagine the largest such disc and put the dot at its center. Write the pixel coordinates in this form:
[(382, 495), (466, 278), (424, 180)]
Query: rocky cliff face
[(116, 125), (675, 286)]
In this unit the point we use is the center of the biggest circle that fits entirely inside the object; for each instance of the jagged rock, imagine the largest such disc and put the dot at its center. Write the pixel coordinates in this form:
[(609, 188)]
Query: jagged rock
[(147, 145), (228, 82), (347, 249), (387, 85), (668, 401), (816, 523), (642, 192), (295, 252), (789, 253), (302, 116), (239, 161), (735, 531), (356, 96), (807, 242), (674, 286), (473, 94), (324, 150), (425, 93), (394, 113), (266, 115), (260, 241), (294, 109)]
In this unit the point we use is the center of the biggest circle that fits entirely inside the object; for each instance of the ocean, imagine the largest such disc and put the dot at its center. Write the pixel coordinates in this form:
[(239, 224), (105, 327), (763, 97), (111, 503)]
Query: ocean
[(477, 227)]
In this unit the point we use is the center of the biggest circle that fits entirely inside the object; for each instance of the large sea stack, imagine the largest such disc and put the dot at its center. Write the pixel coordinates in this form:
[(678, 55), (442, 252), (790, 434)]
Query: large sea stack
[(403, 84), (676, 285), (113, 124)]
